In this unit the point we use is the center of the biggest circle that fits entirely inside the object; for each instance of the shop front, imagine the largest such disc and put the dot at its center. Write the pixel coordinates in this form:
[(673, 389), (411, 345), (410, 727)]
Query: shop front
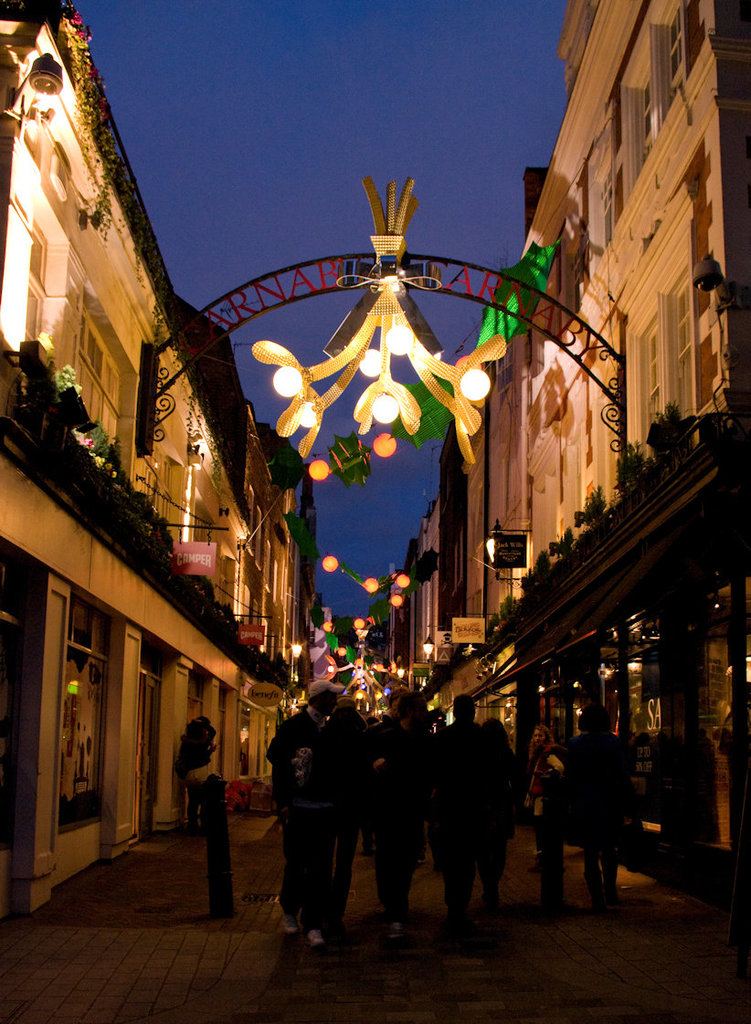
[(656, 626)]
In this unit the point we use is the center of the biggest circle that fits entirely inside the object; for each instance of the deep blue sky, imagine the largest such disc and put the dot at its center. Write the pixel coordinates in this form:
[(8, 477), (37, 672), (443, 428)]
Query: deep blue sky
[(249, 126)]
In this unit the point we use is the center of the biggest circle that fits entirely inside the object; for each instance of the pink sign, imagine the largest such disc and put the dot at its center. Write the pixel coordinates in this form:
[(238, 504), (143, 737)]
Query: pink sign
[(251, 633), (194, 558)]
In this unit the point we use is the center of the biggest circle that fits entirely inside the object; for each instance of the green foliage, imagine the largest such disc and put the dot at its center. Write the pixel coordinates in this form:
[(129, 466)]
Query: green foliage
[(564, 545), (595, 507), (66, 378), (671, 414), (631, 467)]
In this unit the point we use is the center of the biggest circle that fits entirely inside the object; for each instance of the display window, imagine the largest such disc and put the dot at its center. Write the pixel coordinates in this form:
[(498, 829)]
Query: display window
[(84, 683)]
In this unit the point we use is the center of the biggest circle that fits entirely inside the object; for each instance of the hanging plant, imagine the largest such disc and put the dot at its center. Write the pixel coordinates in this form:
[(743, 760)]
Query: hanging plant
[(107, 169)]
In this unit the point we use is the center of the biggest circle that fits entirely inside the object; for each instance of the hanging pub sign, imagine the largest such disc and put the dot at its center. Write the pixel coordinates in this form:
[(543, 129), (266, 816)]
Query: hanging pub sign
[(266, 695), (468, 631), (193, 558), (510, 551), (251, 633)]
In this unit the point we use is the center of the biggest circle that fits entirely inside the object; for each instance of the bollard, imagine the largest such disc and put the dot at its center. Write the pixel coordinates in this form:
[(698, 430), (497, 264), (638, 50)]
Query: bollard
[(553, 823), (219, 868)]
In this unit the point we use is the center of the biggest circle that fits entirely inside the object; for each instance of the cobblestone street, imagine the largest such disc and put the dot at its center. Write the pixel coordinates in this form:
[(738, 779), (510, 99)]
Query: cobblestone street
[(133, 941)]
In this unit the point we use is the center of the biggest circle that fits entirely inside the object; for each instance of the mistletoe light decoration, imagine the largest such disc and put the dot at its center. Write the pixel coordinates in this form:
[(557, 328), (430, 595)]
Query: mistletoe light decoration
[(384, 306)]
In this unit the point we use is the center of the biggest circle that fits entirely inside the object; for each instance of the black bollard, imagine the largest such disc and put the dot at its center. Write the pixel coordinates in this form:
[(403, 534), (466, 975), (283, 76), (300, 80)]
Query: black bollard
[(214, 821), (553, 824)]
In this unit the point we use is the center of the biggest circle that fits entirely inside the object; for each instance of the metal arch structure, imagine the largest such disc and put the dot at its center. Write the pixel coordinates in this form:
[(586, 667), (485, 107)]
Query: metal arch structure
[(439, 274)]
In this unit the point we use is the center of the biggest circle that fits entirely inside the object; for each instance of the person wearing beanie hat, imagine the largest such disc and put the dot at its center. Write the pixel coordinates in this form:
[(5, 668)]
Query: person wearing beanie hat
[(302, 787)]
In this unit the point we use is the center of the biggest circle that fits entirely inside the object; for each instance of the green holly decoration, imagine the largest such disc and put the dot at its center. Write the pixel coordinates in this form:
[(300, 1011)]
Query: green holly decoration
[(350, 460)]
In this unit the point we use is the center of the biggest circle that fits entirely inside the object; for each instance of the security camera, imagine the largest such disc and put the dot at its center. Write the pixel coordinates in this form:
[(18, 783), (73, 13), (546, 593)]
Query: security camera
[(707, 275)]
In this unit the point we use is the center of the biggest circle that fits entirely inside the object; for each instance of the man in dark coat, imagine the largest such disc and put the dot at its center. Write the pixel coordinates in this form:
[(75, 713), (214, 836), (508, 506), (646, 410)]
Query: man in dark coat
[(400, 794), (302, 787), (461, 807), (600, 794)]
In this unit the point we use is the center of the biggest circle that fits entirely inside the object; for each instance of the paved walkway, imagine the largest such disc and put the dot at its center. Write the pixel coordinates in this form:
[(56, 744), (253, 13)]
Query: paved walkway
[(133, 941)]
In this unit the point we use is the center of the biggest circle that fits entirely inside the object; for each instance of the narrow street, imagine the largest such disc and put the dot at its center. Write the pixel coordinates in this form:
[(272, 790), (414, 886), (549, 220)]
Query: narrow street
[(133, 941)]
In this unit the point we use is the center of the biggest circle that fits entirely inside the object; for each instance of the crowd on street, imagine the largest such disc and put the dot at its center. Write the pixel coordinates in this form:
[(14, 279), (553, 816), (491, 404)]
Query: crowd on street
[(405, 785)]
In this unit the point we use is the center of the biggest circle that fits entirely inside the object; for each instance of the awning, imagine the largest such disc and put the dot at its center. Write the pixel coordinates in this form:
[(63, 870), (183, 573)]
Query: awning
[(583, 614)]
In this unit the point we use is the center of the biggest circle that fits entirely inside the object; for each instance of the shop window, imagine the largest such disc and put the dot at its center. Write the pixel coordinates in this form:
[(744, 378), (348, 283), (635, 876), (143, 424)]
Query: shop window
[(715, 728), (83, 702), (646, 738), (244, 763), (195, 695)]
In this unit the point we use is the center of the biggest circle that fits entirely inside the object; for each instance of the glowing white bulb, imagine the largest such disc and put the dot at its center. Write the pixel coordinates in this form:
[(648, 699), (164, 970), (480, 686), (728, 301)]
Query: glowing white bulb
[(308, 418), (385, 409), (475, 385), (287, 381), (370, 364), (399, 340)]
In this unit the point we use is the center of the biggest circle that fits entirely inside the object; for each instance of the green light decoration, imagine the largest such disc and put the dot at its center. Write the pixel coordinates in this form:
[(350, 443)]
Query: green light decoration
[(301, 536), (434, 417), (533, 268), (317, 616), (351, 573), (351, 654), (286, 468), (349, 459), (333, 641), (379, 610)]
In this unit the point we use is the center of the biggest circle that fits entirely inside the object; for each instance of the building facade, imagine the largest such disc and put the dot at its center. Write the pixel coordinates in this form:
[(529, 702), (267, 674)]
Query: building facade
[(106, 648)]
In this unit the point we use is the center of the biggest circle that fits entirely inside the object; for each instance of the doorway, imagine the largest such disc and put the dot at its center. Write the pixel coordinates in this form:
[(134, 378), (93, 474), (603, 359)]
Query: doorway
[(146, 760)]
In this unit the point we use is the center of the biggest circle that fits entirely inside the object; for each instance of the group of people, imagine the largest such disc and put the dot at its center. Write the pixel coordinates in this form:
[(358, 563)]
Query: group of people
[(334, 776)]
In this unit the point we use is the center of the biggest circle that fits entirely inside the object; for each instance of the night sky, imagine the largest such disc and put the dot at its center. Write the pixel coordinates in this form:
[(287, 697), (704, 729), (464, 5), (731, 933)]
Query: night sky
[(249, 127)]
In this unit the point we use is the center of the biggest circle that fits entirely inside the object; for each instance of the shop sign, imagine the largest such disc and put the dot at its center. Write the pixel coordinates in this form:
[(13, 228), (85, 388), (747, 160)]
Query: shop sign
[(267, 695), (251, 633), (421, 670), (193, 558), (510, 551), (468, 631)]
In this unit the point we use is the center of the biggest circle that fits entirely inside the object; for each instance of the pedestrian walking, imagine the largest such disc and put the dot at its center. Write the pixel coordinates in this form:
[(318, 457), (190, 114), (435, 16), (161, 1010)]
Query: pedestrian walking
[(344, 739), (192, 769), (544, 757), (461, 809), (400, 793), (600, 794), (303, 789), (499, 827)]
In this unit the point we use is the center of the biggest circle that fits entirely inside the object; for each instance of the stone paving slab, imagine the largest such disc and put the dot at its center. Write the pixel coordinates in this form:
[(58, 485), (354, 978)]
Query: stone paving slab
[(133, 941)]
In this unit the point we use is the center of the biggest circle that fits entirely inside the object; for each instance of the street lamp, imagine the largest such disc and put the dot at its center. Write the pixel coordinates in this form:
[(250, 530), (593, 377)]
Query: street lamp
[(296, 650), (428, 647), (492, 542)]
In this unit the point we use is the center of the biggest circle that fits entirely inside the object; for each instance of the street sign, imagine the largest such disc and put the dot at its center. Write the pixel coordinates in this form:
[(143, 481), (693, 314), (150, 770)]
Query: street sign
[(510, 551)]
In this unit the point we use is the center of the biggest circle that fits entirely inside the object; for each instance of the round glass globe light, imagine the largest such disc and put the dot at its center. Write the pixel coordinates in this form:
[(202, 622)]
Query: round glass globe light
[(475, 385), (370, 364), (328, 626), (359, 623), (371, 584), (330, 563), (308, 418), (319, 469), (402, 580), (287, 381), (397, 600), (399, 340), (384, 445), (341, 651), (385, 409)]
